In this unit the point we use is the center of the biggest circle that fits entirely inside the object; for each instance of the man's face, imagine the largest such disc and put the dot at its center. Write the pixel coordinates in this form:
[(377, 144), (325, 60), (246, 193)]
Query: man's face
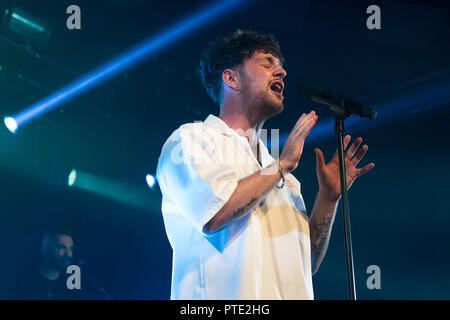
[(60, 251), (262, 83)]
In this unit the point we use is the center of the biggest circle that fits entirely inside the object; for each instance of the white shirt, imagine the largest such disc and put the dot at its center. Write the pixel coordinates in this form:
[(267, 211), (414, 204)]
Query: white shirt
[(262, 255)]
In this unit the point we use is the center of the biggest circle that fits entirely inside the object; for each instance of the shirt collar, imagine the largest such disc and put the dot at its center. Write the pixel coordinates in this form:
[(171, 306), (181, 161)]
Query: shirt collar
[(216, 123)]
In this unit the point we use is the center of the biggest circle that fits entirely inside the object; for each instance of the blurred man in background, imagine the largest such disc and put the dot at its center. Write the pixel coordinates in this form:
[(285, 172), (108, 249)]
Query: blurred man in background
[(48, 279)]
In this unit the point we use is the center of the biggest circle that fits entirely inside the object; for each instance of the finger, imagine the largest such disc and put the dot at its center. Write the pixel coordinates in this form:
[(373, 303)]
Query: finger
[(303, 119), (305, 115), (302, 125), (360, 155), (307, 127), (365, 169), (355, 145), (300, 118), (346, 141), (320, 160)]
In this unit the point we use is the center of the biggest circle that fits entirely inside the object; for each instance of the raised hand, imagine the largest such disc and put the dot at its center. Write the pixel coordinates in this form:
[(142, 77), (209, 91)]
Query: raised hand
[(328, 174), (293, 148)]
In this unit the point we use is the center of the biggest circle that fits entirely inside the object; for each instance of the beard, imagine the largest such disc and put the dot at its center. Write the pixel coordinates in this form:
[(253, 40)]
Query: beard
[(270, 103), (60, 263), (263, 102), (259, 100)]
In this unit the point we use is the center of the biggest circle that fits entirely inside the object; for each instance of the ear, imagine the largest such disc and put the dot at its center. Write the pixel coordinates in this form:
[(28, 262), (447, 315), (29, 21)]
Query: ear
[(230, 79)]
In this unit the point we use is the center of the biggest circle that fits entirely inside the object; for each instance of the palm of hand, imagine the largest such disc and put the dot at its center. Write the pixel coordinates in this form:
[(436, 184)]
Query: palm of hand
[(328, 174)]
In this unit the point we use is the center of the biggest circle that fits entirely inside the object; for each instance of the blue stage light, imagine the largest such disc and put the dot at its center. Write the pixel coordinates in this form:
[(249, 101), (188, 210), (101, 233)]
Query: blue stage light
[(150, 180), (72, 178), (116, 190), (177, 31), (11, 124)]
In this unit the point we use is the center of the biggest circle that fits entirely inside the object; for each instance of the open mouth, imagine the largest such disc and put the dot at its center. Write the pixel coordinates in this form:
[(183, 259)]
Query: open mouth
[(277, 88)]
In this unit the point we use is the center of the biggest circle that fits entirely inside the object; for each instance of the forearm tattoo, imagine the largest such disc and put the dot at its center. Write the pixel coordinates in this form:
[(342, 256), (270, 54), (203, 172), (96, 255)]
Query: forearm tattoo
[(244, 209), (319, 235)]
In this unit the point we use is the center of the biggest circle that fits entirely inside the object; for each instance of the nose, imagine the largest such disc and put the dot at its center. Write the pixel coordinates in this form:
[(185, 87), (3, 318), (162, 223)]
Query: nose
[(279, 72)]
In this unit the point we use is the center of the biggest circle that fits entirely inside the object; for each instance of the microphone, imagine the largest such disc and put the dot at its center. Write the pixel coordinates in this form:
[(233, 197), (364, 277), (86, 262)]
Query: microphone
[(340, 105)]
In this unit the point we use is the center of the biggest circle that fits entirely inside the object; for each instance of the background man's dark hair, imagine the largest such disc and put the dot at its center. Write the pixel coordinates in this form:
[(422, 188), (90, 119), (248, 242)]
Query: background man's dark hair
[(51, 232), (229, 52)]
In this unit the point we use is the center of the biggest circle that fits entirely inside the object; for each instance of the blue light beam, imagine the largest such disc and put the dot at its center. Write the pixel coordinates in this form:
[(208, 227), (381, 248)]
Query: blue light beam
[(209, 13)]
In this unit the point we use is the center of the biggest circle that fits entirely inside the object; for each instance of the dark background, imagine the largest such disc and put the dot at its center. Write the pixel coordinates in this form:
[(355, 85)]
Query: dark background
[(399, 211)]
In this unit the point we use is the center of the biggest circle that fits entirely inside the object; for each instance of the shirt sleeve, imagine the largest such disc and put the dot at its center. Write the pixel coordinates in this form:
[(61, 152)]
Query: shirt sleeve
[(190, 174)]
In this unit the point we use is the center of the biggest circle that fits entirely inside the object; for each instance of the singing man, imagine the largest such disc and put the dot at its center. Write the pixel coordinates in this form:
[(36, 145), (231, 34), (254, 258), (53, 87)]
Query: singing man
[(234, 215)]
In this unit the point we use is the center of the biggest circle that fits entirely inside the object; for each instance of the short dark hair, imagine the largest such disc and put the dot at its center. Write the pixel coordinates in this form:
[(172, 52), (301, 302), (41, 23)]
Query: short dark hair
[(230, 52), (51, 233)]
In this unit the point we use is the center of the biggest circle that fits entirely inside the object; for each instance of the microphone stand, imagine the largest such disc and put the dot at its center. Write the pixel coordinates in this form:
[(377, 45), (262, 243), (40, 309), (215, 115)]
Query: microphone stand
[(342, 109), (339, 131)]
